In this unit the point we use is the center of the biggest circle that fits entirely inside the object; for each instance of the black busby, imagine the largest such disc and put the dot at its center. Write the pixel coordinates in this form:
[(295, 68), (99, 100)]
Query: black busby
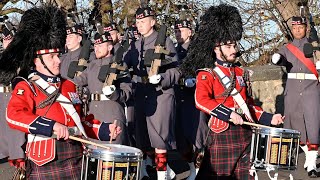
[(143, 12), (110, 27), (101, 38), (297, 20), (219, 25), (42, 30), (182, 24)]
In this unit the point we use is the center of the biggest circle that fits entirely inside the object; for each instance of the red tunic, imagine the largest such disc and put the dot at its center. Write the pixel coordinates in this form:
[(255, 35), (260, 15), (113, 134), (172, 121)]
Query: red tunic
[(228, 144), (23, 115), (208, 97)]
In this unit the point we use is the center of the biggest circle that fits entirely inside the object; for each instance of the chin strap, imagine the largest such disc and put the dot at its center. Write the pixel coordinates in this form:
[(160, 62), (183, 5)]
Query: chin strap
[(224, 58), (45, 66)]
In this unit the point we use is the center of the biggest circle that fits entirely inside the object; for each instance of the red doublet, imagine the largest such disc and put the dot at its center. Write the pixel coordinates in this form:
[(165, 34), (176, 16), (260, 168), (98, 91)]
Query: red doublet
[(209, 100), (23, 115)]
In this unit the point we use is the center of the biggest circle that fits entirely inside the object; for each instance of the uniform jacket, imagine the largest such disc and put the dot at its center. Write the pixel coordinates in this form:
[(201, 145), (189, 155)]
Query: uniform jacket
[(182, 50), (209, 100), (69, 57), (11, 141), (154, 103), (135, 59), (191, 123), (301, 97), (23, 115), (113, 108)]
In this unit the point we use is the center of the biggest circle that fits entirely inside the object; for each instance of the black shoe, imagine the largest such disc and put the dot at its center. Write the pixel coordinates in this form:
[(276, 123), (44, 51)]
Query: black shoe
[(313, 173)]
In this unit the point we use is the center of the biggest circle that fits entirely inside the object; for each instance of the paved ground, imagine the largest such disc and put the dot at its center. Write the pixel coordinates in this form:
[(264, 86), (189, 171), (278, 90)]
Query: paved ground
[(181, 168)]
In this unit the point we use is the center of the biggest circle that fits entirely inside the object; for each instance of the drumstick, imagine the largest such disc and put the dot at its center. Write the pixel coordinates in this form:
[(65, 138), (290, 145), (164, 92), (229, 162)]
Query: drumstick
[(253, 124), (112, 131), (85, 141), (88, 142)]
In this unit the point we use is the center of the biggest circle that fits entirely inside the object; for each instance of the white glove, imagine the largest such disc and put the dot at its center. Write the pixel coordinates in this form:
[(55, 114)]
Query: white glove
[(190, 82), (275, 58), (318, 65), (108, 90), (155, 79)]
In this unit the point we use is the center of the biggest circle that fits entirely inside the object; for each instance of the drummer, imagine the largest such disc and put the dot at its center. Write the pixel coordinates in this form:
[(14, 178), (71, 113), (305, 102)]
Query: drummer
[(42, 104), (221, 87)]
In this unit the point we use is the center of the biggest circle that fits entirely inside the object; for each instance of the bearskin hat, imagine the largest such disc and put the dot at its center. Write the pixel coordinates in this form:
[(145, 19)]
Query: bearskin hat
[(41, 30), (218, 25)]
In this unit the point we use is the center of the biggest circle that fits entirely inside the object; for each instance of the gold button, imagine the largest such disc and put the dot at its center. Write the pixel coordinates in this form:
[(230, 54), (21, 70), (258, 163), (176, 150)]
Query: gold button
[(68, 120)]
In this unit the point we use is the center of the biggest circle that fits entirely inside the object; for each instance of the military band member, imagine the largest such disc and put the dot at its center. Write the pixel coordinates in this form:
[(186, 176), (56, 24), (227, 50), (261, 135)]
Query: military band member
[(106, 102), (183, 33), (114, 32), (11, 141), (154, 95), (191, 126), (301, 95), (74, 48), (134, 34), (42, 103), (213, 53)]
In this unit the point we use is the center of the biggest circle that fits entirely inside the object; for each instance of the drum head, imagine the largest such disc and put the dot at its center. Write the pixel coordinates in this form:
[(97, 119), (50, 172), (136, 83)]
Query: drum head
[(117, 153), (286, 133)]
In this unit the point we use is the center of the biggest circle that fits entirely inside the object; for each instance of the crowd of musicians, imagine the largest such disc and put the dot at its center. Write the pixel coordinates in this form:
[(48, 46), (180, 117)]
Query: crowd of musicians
[(191, 96)]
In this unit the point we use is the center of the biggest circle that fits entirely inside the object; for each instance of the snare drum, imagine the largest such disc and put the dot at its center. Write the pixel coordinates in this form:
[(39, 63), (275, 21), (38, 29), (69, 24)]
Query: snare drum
[(275, 148), (117, 163)]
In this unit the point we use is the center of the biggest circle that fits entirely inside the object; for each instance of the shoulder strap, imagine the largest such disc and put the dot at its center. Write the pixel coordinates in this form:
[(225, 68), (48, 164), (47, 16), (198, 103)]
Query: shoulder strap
[(64, 102), (237, 97)]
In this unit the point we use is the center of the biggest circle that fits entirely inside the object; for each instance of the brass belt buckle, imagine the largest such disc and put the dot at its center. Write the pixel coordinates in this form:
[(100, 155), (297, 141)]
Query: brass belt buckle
[(144, 79), (300, 76), (6, 89), (96, 97)]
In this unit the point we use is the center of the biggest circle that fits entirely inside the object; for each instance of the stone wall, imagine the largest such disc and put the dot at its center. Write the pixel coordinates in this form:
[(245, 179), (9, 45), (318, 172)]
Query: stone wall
[(268, 83)]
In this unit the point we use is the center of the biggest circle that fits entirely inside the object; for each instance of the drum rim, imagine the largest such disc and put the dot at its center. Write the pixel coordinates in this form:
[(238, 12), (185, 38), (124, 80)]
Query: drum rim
[(281, 167), (274, 131), (118, 156)]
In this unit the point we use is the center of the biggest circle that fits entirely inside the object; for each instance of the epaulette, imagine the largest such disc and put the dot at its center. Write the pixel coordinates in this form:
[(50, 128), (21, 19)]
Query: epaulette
[(209, 70), (205, 69), (18, 79)]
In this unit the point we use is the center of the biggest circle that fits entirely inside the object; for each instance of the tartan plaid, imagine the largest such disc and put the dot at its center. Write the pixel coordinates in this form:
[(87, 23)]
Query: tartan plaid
[(230, 152), (66, 165)]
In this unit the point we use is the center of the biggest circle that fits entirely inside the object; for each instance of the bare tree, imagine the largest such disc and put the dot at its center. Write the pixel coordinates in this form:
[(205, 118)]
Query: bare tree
[(265, 21)]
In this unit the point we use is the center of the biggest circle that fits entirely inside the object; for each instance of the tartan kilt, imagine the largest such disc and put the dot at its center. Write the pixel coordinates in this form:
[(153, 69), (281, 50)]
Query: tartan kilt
[(230, 150), (66, 165)]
